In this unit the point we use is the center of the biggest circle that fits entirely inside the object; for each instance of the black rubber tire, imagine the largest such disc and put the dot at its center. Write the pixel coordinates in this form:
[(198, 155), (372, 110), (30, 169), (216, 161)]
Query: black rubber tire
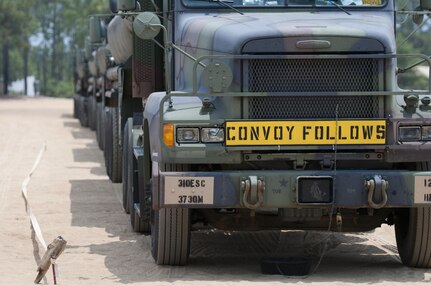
[(116, 149), (127, 159), (108, 141), (92, 116), (138, 180), (75, 106), (80, 106), (170, 233), (84, 111), (413, 233), (139, 224), (99, 124)]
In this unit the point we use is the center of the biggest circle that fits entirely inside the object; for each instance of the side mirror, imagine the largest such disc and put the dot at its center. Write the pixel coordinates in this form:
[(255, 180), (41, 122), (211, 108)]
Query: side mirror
[(425, 5), (88, 48), (113, 6), (147, 25), (95, 30), (126, 5), (78, 57)]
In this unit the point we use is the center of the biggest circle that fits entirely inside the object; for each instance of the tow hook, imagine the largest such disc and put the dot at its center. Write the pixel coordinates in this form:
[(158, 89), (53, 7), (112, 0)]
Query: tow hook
[(376, 185), (253, 189)]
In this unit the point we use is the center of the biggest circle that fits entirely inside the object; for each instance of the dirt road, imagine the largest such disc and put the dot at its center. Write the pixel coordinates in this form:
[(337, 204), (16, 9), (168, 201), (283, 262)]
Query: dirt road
[(71, 196)]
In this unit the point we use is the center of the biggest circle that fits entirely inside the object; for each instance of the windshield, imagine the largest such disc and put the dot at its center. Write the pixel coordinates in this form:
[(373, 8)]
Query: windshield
[(286, 3)]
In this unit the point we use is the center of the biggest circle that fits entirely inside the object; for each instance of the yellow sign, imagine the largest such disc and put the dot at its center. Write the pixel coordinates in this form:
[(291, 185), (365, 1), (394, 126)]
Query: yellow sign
[(372, 2), (326, 132)]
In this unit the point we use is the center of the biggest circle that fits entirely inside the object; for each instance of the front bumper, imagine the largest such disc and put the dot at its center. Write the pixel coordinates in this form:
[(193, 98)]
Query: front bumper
[(223, 189)]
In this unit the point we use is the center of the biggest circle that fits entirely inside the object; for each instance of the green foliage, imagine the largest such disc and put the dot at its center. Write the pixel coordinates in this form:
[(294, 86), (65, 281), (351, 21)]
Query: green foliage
[(408, 42), (62, 88), (17, 24), (61, 23), (58, 25)]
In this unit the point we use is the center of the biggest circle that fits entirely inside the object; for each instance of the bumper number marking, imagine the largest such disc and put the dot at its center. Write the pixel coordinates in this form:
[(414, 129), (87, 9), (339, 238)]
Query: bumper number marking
[(189, 190), (423, 190)]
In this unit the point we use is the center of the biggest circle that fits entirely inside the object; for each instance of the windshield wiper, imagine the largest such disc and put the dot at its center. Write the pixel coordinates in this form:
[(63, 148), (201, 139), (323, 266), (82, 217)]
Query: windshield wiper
[(338, 6), (223, 3)]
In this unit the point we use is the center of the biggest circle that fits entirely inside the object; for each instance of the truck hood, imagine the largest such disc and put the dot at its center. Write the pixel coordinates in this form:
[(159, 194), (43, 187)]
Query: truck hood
[(281, 32)]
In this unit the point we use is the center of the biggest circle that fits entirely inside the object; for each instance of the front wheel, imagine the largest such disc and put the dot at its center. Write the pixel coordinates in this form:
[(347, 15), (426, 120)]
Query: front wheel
[(170, 232), (99, 124), (116, 150), (413, 233), (170, 236), (127, 163), (92, 117)]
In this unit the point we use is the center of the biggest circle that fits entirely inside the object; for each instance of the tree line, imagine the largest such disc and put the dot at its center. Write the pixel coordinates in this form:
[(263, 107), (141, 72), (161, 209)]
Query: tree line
[(38, 37)]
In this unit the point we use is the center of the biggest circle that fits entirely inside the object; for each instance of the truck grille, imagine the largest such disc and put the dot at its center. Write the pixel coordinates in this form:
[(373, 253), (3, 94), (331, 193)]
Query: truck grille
[(313, 75), (306, 107)]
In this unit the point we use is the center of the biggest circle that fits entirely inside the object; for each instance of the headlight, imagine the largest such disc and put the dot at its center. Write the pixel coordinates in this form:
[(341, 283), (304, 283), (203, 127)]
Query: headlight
[(212, 135), (426, 133), (187, 135), (409, 133)]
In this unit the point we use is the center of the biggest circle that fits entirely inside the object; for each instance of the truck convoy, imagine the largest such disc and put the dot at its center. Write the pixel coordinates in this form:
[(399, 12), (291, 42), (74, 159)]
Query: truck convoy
[(262, 114)]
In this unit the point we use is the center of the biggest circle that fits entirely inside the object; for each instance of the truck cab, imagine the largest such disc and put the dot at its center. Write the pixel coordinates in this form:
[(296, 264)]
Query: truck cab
[(281, 115)]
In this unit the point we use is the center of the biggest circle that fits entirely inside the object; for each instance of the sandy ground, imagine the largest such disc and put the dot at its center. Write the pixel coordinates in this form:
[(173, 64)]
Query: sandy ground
[(71, 196)]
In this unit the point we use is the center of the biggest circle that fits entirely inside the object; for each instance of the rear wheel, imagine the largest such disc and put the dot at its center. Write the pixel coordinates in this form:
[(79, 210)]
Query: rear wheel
[(116, 149), (108, 140), (140, 190), (413, 233), (127, 160), (139, 217), (170, 232), (99, 124), (84, 111), (92, 113), (75, 106)]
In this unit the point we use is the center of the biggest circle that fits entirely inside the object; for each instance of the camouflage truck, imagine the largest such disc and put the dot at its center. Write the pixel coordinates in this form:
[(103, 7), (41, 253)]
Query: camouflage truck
[(274, 114), (82, 83), (126, 72)]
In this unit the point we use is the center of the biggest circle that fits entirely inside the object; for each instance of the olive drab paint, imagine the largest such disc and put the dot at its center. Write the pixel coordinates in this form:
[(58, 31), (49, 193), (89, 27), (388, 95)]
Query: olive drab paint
[(306, 100)]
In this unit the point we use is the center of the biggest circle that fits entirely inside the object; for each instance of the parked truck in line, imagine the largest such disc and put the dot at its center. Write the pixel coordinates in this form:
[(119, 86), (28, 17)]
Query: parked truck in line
[(81, 78), (269, 115)]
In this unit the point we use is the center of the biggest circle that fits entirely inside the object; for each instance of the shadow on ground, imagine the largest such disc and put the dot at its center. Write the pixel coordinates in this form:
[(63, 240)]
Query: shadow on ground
[(223, 256)]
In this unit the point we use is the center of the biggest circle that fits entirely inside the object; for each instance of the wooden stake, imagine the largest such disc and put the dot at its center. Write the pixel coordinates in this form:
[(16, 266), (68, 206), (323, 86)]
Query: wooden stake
[(54, 250)]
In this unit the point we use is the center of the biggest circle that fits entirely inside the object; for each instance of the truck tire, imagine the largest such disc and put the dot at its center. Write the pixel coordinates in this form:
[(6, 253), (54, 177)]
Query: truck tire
[(116, 148), (79, 106), (170, 236), (84, 111), (127, 159), (170, 233), (75, 106), (108, 140), (140, 223), (413, 233), (140, 190), (92, 113), (99, 124)]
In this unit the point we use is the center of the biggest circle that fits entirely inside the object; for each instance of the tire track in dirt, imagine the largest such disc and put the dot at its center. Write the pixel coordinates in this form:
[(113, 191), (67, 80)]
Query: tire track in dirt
[(384, 245)]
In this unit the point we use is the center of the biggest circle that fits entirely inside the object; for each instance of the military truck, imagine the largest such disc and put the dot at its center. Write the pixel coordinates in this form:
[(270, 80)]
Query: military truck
[(82, 81), (274, 114), (126, 72)]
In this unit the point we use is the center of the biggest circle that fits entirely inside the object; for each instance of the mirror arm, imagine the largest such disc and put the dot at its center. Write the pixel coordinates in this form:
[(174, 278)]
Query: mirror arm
[(400, 70), (412, 33)]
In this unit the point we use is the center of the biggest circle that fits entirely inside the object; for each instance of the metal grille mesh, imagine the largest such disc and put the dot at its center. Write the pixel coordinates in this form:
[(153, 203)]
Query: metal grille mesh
[(144, 60), (313, 75), (310, 107)]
